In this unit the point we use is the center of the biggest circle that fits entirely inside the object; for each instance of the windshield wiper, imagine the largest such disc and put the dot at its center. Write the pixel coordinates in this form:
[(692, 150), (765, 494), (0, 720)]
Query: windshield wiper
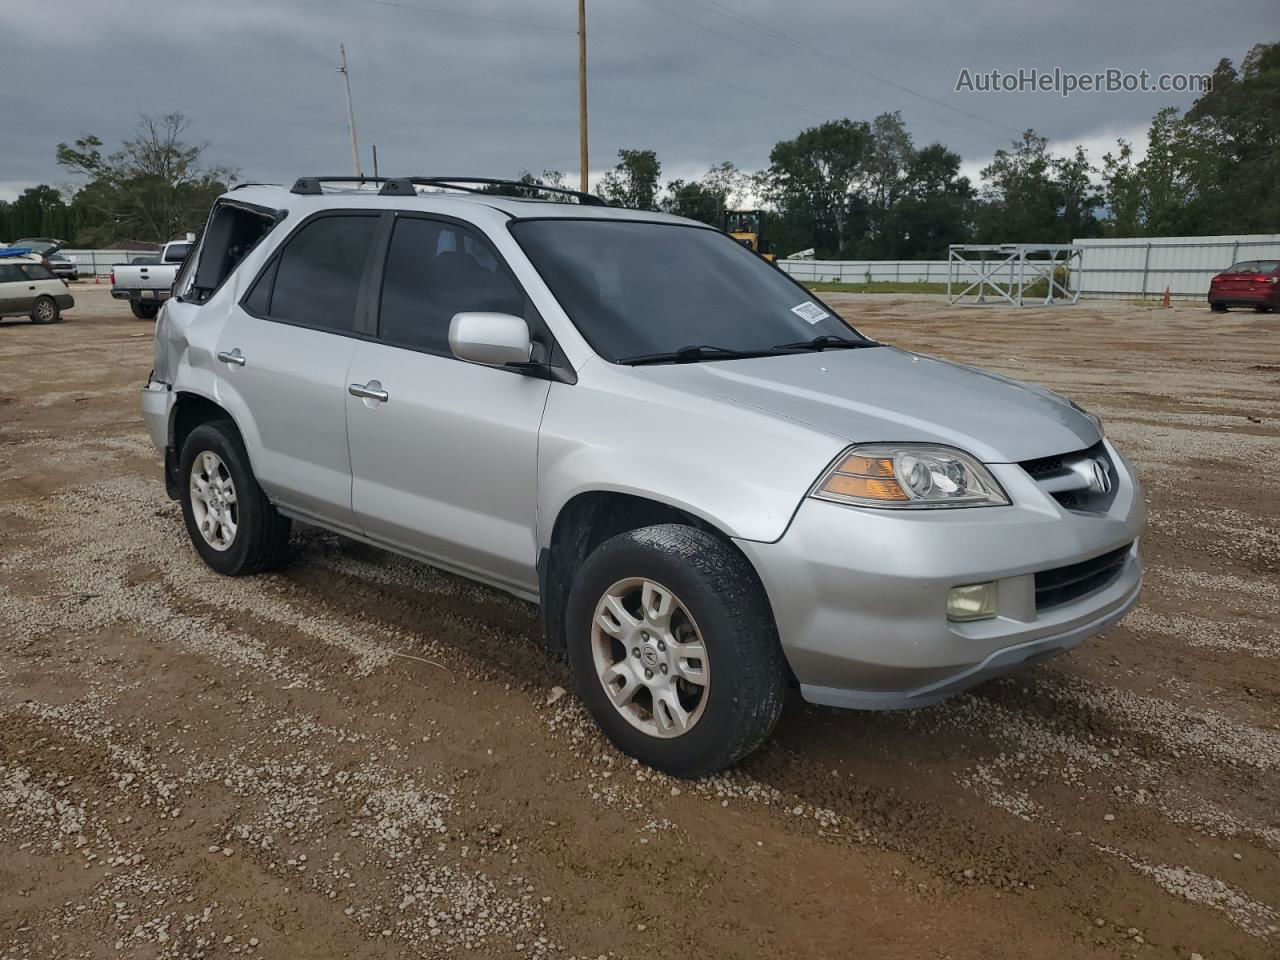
[(827, 342), (692, 354)]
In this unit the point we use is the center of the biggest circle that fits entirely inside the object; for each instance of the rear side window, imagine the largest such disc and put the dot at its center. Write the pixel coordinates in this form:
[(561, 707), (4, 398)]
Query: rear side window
[(434, 270), (317, 275), (36, 271), (9, 273)]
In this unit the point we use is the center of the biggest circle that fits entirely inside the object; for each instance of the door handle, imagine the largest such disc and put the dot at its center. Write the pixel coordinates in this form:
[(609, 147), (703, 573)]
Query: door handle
[(234, 357), (369, 391)]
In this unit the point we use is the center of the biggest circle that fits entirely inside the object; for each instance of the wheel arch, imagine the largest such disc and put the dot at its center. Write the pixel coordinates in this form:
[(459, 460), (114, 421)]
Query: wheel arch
[(190, 410), (584, 522)]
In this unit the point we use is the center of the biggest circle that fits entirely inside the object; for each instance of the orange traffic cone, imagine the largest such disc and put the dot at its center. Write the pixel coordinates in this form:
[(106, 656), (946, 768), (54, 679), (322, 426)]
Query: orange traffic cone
[(1165, 302)]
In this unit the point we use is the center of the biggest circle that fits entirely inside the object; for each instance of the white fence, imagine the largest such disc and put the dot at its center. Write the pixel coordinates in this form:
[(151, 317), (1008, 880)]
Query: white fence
[(1144, 267), (1117, 268), (867, 271), (98, 263)]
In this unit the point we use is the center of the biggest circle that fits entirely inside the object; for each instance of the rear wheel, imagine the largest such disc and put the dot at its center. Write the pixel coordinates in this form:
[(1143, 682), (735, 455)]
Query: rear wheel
[(1262, 308), (144, 311), (674, 649), (1218, 307), (232, 524), (44, 310)]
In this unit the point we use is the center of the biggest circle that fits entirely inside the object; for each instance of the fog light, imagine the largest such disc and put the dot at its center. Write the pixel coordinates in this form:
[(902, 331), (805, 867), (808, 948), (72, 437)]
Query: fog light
[(976, 601)]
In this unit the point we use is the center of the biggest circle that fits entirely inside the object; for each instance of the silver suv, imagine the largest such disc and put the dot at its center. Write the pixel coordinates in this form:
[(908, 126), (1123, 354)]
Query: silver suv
[(712, 484)]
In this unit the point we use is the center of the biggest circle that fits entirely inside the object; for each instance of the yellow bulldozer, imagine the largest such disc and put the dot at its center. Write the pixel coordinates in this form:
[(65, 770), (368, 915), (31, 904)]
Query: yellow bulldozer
[(745, 226)]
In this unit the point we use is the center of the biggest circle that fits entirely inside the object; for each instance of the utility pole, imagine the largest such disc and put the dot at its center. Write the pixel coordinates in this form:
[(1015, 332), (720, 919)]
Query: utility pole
[(582, 94), (351, 114), (375, 161)]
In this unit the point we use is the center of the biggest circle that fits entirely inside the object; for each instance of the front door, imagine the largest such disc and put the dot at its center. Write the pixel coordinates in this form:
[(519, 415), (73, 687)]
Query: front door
[(444, 454)]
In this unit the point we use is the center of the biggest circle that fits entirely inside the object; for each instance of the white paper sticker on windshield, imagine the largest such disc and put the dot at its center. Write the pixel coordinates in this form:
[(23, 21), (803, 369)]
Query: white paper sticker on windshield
[(810, 312)]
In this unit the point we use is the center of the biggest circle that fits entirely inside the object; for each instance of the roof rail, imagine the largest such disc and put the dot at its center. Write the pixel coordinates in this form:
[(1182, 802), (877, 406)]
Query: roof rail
[(404, 186)]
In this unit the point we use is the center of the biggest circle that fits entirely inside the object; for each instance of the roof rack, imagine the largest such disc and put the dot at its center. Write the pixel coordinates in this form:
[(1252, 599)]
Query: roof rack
[(404, 186)]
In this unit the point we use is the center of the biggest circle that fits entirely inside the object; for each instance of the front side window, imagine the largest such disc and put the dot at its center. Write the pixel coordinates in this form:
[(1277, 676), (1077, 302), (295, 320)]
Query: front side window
[(435, 269), (317, 275), (639, 290)]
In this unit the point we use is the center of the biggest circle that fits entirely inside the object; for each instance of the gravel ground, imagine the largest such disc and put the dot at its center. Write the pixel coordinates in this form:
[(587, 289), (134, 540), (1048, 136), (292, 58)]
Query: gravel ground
[(360, 756)]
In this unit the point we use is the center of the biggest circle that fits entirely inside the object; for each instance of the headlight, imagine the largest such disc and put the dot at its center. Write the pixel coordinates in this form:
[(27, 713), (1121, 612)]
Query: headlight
[(1097, 420), (908, 476)]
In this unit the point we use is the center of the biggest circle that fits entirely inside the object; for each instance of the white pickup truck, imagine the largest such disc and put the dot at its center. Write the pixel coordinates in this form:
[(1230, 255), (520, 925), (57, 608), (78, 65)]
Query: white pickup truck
[(146, 285)]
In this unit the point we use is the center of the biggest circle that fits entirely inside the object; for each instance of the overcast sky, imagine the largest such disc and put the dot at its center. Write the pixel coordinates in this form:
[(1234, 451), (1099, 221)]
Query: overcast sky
[(464, 94)]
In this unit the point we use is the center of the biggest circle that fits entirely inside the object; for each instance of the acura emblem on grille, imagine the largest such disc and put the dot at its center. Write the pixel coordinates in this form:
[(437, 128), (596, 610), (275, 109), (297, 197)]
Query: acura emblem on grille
[(1101, 477)]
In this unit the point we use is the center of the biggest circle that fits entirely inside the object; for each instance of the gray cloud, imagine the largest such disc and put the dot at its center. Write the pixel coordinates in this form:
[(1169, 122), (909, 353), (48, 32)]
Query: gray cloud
[(464, 94)]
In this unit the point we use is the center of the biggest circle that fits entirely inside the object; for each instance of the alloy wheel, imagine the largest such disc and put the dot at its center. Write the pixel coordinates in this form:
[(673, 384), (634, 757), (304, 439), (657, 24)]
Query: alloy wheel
[(213, 500), (650, 657)]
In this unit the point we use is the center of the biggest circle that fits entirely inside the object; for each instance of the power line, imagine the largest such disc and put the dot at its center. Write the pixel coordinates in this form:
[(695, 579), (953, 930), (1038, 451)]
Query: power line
[(715, 7), (792, 63), (598, 39)]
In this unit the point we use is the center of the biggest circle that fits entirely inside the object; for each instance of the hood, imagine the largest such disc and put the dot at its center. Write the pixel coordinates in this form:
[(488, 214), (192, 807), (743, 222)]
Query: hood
[(885, 394)]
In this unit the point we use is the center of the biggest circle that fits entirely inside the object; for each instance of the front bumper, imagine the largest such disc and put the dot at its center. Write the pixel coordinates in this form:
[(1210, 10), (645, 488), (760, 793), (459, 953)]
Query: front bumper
[(859, 595)]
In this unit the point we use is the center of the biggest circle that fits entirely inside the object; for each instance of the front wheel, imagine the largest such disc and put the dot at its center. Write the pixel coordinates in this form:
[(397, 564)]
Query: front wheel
[(1262, 308), (1218, 307), (232, 524), (44, 310), (144, 311), (674, 649)]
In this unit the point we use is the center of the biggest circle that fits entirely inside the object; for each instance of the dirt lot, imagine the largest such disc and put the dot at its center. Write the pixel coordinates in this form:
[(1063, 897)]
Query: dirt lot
[(358, 756)]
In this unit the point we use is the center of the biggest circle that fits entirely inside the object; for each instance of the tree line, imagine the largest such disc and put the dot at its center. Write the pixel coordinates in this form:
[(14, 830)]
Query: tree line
[(849, 189)]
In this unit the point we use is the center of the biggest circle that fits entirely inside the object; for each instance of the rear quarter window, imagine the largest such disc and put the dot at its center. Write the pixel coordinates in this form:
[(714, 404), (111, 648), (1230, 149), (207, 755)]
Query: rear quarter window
[(36, 271)]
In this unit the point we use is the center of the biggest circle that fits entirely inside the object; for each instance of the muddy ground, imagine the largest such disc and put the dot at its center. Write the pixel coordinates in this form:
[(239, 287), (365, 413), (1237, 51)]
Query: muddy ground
[(357, 756)]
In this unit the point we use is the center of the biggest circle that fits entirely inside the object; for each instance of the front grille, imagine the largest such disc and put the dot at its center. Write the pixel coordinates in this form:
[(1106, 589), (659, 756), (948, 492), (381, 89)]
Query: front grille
[(1069, 478), (1064, 584)]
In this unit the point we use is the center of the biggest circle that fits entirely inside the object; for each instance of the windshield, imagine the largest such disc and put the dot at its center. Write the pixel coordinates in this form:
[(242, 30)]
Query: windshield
[(635, 289)]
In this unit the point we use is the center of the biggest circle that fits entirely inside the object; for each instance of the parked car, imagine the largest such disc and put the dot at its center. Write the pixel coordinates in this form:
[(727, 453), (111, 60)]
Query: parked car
[(710, 482), (146, 286), (62, 267), (1249, 283), (29, 289), (41, 246)]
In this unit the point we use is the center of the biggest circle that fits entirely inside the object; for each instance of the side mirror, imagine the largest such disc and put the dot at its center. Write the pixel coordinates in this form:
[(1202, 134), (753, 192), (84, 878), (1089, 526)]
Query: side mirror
[(495, 339)]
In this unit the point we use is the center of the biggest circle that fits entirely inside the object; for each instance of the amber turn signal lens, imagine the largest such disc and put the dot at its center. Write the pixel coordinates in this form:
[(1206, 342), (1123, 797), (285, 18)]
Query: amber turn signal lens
[(866, 466), (867, 488)]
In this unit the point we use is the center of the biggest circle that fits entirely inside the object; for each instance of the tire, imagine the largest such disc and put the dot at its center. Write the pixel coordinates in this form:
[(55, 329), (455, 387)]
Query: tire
[(1262, 308), (1218, 307), (717, 599), (45, 310), (144, 311), (258, 537)]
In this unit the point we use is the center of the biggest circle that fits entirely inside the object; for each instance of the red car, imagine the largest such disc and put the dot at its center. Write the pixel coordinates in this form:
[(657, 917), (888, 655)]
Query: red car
[(1249, 283)]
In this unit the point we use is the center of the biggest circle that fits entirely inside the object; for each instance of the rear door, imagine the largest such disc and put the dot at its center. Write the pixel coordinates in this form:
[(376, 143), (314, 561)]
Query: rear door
[(446, 466), (13, 287), (282, 360)]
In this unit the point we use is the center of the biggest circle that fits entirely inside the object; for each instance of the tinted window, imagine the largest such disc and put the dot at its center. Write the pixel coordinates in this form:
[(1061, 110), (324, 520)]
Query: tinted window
[(434, 270), (9, 273), (318, 277), (36, 271), (645, 288)]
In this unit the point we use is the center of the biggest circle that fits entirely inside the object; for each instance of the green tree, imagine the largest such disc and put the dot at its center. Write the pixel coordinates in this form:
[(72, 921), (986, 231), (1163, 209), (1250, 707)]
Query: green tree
[(723, 187), (634, 181), (813, 181), (38, 212), (936, 209), (154, 187)]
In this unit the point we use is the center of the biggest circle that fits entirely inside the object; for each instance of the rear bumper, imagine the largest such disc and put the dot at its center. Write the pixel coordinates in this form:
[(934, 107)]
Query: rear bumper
[(859, 595), (64, 301), (141, 295), (1269, 297), (157, 403)]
